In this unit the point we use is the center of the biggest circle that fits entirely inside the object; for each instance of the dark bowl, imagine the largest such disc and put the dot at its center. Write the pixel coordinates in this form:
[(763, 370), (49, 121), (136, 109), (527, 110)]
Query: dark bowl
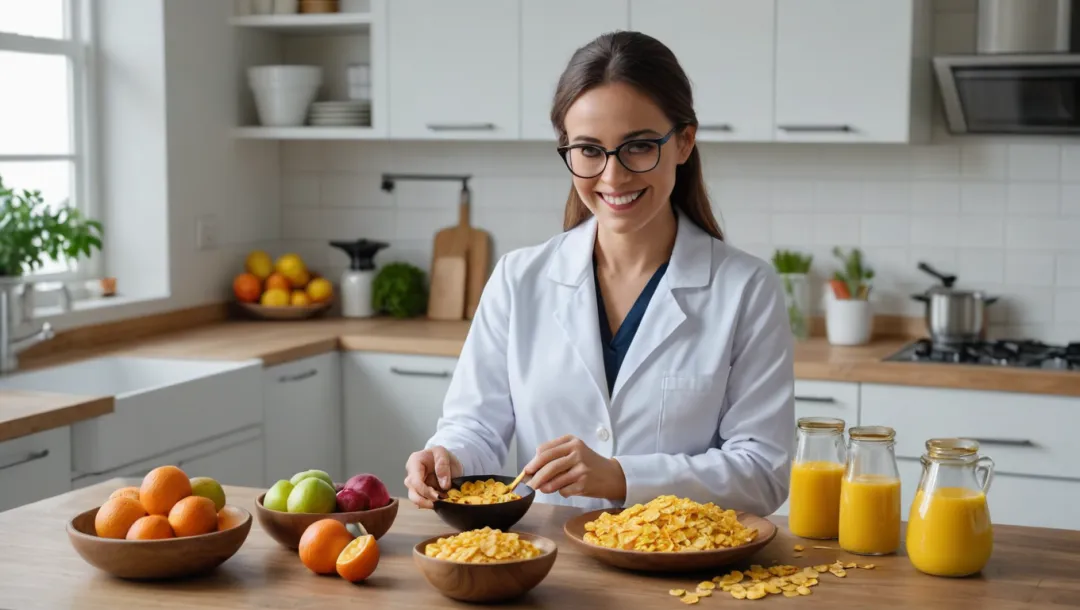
[(287, 528), (501, 516)]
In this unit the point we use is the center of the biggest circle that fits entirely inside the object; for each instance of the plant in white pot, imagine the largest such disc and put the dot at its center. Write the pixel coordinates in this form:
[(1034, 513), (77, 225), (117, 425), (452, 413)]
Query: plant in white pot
[(793, 268), (849, 316)]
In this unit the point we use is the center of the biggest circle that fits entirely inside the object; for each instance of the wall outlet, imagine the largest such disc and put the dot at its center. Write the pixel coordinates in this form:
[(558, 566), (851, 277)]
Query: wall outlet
[(206, 232)]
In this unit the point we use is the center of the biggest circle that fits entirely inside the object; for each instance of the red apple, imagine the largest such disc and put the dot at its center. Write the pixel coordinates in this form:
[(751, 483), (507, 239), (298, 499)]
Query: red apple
[(369, 486), (349, 501)]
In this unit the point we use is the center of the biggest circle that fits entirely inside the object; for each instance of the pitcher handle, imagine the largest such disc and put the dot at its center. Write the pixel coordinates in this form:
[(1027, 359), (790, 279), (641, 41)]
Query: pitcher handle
[(985, 464)]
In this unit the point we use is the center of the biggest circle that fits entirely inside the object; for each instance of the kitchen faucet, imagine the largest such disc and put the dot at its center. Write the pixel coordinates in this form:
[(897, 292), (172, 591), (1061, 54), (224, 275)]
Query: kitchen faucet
[(10, 346)]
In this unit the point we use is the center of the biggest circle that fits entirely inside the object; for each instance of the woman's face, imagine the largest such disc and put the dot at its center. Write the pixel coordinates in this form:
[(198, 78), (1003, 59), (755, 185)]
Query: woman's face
[(607, 116)]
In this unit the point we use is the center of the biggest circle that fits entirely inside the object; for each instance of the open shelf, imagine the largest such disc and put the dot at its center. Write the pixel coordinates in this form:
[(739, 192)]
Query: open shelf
[(307, 23), (306, 133)]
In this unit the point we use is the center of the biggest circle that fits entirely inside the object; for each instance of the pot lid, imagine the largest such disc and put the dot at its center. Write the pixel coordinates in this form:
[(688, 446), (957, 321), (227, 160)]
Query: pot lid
[(958, 292)]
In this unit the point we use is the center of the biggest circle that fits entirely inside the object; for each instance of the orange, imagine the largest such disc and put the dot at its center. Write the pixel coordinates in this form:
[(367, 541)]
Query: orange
[(275, 297), (279, 281), (192, 516), (321, 545), (229, 517), (163, 487), (130, 492), (359, 559), (115, 517), (300, 278), (299, 299), (150, 527), (320, 290), (247, 288)]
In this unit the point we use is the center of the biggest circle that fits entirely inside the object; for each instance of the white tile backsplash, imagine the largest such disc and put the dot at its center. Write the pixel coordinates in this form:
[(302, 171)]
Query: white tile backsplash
[(884, 230), (983, 198), (935, 198), (1070, 199), (982, 266), (792, 229), (1070, 163), (836, 229), (1067, 307), (1034, 162), (985, 162), (1030, 269), (792, 196), (1068, 271), (934, 230), (300, 189), (1034, 198), (982, 231)]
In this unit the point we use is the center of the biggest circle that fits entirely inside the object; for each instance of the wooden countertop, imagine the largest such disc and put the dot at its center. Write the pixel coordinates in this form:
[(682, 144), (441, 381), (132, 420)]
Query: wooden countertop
[(1030, 568), (23, 413)]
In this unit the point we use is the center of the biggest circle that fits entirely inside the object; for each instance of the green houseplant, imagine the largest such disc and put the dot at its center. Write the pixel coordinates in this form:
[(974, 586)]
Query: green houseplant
[(398, 289), (32, 233), (793, 268)]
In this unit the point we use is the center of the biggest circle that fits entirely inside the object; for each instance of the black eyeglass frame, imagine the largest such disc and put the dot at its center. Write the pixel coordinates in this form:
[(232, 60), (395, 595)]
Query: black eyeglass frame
[(659, 142)]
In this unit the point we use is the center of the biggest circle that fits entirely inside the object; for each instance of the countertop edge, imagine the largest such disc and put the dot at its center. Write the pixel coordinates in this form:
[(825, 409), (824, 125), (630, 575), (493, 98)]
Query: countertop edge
[(81, 408)]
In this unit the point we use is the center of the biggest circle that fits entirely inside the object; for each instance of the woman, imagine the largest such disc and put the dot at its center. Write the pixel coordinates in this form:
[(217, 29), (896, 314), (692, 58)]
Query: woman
[(636, 354)]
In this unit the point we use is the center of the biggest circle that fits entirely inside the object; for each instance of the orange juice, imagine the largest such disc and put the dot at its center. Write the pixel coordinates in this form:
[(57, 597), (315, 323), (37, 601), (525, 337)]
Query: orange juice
[(949, 532), (870, 514), (814, 499)]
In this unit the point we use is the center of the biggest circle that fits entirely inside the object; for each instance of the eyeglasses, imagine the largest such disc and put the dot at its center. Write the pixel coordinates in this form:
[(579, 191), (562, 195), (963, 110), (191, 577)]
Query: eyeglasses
[(638, 155)]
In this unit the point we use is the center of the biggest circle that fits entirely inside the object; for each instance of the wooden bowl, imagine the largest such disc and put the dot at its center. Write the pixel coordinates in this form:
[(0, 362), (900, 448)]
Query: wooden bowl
[(685, 561), (501, 516), (300, 312), (287, 528), (486, 582), (155, 559)]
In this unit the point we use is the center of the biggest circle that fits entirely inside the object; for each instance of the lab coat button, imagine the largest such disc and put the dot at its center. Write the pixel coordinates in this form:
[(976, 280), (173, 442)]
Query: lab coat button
[(602, 433)]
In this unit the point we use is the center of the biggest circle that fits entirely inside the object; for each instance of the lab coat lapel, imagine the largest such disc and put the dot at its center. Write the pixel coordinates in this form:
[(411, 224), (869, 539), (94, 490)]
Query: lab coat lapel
[(577, 315), (690, 266)]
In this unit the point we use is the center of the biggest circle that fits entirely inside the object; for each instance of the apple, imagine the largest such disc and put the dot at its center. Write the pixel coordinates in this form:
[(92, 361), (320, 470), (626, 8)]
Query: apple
[(349, 500), (277, 498), (312, 495), (307, 474), (338, 487), (369, 486)]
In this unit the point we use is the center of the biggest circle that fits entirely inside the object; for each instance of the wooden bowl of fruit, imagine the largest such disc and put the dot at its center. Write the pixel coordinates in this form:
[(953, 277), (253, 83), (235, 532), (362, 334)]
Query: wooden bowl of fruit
[(287, 509), (284, 289), (133, 536)]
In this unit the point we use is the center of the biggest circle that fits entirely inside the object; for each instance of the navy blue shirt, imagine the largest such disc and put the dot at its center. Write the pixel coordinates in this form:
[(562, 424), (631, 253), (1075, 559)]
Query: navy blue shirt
[(615, 347)]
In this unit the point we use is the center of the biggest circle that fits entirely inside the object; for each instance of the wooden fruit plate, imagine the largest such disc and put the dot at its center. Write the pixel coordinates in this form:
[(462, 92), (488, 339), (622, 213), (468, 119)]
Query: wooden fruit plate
[(289, 312), (685, 561)]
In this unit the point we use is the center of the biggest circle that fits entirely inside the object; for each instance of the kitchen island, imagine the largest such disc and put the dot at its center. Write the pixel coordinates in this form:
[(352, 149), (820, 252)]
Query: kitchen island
[(1030, 568)]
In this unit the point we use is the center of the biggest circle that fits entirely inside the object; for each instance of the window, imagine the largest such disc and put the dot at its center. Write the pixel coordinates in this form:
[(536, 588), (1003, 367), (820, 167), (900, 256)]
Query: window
[(44, 108)]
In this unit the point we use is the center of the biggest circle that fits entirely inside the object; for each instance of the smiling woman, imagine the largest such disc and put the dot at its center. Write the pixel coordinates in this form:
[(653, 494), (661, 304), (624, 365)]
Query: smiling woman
[(636, 354)]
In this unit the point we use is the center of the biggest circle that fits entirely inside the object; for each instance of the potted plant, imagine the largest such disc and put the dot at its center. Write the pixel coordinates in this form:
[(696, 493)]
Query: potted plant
[(793, 268), (848, 313)]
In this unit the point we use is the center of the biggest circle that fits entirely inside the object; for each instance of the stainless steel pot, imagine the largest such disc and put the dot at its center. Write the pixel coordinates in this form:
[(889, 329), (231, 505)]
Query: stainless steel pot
[(952, 315)]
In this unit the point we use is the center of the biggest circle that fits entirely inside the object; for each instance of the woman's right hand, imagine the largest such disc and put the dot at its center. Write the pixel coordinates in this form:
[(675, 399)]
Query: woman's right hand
[(428, 472)]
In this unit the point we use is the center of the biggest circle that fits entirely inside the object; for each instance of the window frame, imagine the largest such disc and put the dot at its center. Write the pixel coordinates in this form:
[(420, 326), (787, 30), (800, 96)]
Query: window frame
[(77, 46)]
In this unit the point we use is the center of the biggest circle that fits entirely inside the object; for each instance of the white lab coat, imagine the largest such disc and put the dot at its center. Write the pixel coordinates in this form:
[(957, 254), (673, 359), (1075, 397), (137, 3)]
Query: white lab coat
[(703, 406)]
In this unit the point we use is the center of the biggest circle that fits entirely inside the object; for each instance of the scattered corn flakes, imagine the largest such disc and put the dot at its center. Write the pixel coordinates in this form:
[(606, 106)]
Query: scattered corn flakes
[(706, 584), (868, 566), (481, 492), (482, 546), (669, 524), (756, 592), (772, 588), (803, 590), (703, 592), (825, 548), (791, 593), (758, 582), (799, 548), (850, 565), (822, 568), (739, 593), (689, 599), (677, 592)]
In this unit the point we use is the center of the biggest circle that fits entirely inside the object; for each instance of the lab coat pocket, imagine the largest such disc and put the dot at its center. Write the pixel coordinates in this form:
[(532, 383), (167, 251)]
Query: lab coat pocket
[(691, 410)]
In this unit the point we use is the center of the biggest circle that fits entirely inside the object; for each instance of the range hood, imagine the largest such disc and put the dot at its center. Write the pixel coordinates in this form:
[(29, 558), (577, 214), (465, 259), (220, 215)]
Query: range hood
[(1025, 75)]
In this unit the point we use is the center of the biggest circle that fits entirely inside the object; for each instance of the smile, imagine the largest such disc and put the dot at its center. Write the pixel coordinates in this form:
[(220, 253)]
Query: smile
[(620, 199)]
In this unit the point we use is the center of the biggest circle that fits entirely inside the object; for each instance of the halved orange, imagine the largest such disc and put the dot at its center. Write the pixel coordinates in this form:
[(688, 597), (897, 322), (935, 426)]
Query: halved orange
[(358, 560)]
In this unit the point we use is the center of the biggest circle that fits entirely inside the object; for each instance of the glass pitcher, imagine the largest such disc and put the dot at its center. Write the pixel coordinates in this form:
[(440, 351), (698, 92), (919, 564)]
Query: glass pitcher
[(870, 493), (949, 531), (816, 472)]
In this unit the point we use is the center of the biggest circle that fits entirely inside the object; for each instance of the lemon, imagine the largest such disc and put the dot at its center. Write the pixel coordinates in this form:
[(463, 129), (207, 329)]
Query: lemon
[(320, 290), (293, 268), (258, 263), (275, 297), (299, 299)]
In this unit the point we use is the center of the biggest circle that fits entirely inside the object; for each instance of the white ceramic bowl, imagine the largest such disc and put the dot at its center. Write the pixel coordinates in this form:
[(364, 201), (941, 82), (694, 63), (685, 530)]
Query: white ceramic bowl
[(284, 76), (283, 106)]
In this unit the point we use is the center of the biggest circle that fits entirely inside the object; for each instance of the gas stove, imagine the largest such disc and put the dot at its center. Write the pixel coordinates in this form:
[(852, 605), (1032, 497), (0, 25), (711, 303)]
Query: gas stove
[(1007, 353)]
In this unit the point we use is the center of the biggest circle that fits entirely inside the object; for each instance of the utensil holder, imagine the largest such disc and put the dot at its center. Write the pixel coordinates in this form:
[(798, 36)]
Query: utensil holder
[(848, 321), (797, 301)]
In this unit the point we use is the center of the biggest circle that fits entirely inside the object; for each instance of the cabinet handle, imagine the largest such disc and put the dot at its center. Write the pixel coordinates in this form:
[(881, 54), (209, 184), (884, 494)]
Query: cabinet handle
[(817, 128), (461, 126), (819, 399), (715, 127), (1005, 442), (298, 376), (440, 374), (31, 457)]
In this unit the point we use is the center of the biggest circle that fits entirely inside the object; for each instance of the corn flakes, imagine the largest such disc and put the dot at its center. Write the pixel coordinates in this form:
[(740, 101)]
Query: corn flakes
[(481, 492), (669, 524), (482, 546)]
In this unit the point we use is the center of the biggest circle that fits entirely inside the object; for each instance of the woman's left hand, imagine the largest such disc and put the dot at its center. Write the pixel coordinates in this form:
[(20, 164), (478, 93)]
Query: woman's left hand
[(567, 465)]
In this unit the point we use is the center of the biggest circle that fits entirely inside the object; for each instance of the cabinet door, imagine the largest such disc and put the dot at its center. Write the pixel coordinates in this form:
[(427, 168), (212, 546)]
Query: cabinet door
[(551, 30), (392, 405), (237, 464), (843, 70), (454, 69), (35, 467), (726, 48), (302, 417)]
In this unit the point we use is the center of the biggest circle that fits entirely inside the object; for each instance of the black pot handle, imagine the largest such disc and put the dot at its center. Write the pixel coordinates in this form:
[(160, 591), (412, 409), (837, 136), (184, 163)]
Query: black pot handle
[(921, 297), (990, 300), (947, 280)]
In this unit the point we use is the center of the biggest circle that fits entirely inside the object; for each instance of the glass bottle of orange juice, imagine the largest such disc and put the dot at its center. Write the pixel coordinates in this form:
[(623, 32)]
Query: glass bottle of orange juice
[(814, 498), (870, 493), (949, 531)]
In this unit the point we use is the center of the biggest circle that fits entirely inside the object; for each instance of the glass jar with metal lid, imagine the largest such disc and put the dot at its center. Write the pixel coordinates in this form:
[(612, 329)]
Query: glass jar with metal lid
[(870, 493), (816, 472)]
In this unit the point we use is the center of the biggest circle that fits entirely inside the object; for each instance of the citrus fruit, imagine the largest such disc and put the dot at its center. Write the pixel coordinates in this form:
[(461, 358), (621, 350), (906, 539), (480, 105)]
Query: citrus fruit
[(320, 290), (299, 299), (277, 497), (299, 279), (312, 496), (130, 492), (258, 263), (292, 267), (247, 288), (359, 559), (321, 545), (279, 282), (150, 527), (275, 297), (163, 487), (229, 517), (208, 488), (192, 516), (115, 517)]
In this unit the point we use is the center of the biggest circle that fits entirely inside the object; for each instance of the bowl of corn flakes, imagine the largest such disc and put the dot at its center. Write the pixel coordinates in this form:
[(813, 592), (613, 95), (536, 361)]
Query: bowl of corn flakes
[(485, 564), (669, 534), (479, 501)]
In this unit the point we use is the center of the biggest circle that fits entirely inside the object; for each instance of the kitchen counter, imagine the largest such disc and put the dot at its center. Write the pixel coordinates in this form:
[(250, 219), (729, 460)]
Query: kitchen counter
[(1030, 568), (23, 413)]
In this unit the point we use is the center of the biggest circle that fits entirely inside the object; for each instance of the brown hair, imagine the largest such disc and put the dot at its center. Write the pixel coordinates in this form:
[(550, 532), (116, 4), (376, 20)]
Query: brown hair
[(646, 63)]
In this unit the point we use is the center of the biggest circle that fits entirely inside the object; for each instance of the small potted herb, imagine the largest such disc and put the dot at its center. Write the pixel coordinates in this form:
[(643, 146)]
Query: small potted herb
[(848, 314), (793, 268)]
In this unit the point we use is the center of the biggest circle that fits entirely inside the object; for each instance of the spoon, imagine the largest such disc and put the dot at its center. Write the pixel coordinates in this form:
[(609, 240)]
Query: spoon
[(513, 484)]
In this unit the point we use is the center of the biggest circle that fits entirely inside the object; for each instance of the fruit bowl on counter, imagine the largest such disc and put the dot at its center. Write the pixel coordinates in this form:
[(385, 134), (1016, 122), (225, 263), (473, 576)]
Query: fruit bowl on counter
[(282, 289)]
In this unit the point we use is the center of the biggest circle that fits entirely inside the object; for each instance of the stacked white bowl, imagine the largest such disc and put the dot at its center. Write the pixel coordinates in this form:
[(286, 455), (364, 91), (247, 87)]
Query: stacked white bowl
[(283, 93)]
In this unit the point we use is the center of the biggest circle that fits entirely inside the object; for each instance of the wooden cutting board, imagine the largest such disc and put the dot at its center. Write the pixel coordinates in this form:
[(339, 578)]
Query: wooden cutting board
[(477, 274), (446, 299), (455, 295)]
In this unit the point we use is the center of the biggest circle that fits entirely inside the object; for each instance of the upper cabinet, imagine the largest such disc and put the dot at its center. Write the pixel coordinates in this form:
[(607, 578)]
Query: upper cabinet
[(726, 48), (454, 69), (853, 70), (551, 30)]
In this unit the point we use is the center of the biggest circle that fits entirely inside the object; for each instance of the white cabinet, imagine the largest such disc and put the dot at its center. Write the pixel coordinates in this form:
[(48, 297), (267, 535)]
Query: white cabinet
[(35, 467), (726, 48), (852, 70), (302, 415), (551, 30), (236, 464), (454, 69)]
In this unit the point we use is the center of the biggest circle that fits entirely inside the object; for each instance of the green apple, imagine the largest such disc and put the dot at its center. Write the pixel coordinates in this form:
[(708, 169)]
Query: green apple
[(312, 495), (208, 488), (318, 474), (277, 497)]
